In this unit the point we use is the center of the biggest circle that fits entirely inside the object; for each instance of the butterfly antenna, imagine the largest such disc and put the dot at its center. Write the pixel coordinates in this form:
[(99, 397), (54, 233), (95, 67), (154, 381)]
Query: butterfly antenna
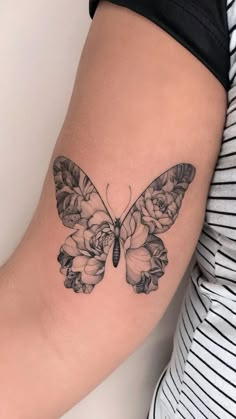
[(108, 185), (127, 206)]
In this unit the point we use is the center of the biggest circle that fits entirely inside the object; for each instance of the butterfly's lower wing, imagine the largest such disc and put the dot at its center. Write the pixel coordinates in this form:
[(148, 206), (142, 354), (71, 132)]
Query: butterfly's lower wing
[(154, 212), (145, 254), (80, 207)]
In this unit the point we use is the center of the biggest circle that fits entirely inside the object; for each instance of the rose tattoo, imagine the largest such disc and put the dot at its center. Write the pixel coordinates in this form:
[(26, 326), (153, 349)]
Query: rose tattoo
[(83, 255)]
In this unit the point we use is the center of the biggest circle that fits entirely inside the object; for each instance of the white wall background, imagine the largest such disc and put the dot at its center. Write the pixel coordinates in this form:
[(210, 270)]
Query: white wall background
[(40, 45)]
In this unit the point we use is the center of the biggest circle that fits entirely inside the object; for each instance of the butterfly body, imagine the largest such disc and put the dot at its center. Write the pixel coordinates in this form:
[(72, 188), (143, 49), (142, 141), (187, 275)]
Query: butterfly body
[(116, 247)]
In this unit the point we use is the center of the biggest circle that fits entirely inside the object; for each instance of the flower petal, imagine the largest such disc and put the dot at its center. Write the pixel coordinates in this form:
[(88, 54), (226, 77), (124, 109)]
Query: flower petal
[(91, 279), (127, 244), (157, 213), (98, 218), (78, 237), (70, 247), (148, 193), (93, 266), (79, 263), (169, 198), (88, 208), (139, 237), (149, 206), (88, 235), (137, 261), (165, 221), (152, 221), (145, 212)]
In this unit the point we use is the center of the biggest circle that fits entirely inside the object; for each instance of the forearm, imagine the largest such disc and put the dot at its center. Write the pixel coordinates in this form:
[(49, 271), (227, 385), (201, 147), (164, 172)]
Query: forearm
[(132, 117)]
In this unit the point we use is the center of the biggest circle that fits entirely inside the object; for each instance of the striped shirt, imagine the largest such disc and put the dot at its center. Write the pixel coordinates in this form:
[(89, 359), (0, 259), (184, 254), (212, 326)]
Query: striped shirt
[(199, 381)]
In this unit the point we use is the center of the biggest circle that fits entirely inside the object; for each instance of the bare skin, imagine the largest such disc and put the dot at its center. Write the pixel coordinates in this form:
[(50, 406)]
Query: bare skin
[(132, 116)]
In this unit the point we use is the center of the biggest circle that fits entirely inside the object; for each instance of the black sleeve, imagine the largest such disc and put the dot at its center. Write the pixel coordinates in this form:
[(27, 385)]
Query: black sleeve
[(199, 25)]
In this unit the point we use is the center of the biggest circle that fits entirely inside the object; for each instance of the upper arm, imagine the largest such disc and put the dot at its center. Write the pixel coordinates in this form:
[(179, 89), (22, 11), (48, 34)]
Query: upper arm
[(141, 105)]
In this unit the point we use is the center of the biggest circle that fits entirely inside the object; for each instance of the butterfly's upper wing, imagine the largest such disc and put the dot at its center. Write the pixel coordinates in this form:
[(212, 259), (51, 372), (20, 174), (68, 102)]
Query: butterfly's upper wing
[(154, 212), (80, 207)]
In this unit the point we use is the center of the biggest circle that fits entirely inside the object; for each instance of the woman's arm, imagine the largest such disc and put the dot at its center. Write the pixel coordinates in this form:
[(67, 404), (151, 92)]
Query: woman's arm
[(141, 104)]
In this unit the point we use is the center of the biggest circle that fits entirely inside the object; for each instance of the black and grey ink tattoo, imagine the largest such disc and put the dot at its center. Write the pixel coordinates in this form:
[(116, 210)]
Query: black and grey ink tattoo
[(84, 253)]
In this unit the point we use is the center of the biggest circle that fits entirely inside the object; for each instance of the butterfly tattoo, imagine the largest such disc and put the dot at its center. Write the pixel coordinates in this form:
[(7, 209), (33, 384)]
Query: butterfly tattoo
[(83, 255)]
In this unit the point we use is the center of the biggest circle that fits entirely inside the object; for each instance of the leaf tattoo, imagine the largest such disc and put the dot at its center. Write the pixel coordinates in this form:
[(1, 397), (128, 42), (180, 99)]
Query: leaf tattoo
[(83, 255)]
